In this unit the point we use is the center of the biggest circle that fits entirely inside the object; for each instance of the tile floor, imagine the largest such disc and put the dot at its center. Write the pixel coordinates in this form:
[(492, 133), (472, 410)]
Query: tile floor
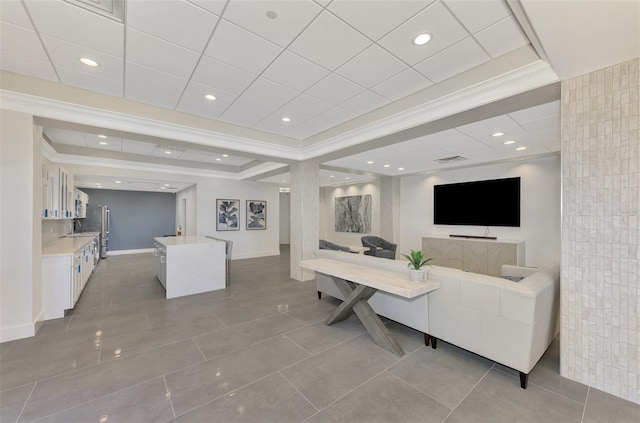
[(258, 352)]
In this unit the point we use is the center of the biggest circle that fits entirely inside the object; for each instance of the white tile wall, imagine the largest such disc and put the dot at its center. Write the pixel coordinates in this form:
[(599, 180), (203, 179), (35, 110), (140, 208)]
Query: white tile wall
[(600, 320)]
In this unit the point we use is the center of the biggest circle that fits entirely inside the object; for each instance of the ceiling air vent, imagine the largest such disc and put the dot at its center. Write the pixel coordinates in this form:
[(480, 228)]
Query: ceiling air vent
[(112, 9), (451, 159)]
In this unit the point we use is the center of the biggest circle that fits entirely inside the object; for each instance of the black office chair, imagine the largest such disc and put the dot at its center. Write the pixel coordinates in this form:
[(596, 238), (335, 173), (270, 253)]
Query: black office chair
[(326, 245), (379, 247)]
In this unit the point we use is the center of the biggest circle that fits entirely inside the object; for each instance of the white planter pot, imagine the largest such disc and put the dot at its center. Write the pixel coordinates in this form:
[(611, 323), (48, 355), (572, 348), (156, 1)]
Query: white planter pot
[(417, 275)]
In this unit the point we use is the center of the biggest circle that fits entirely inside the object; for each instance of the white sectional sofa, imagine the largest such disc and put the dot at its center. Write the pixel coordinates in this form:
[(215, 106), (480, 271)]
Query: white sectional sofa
[(512, 323)]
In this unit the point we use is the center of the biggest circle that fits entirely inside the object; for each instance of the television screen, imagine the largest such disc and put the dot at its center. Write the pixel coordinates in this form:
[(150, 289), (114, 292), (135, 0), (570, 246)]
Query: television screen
[(480, 203)]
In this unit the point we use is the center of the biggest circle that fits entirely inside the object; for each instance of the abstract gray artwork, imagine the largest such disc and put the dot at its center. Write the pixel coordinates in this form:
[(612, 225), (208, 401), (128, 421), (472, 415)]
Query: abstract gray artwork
[(228, 215), (353, 214)]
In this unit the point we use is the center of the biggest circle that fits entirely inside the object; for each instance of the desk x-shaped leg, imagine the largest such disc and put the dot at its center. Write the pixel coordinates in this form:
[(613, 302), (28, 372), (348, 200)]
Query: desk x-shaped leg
[(356, 297)]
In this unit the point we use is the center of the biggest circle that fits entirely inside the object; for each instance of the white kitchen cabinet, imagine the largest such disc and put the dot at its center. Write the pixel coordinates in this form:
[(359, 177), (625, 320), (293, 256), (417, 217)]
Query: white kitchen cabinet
[(57, 193), (80, 200)]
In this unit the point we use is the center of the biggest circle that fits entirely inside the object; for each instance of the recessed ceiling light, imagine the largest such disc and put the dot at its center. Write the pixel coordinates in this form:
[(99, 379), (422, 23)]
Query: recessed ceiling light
[(283, 181), (497, 134), (167, 152), (167, 185), (401, 168), (225, 155), (103, 143), (331, 176), (369, 162), (118, 182), (422, 39), (218, 159), (509, 142), (98, 183), (387, 165), (210, 97), (89, 62), (521, 148), (271, 14), (102, 136), (346, 177), (286, 119), (163, 187)]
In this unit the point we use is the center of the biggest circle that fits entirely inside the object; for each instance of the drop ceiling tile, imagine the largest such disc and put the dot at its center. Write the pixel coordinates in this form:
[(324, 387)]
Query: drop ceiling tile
[(267, 92), (307, 105), (549, 122), (435, 20), (75, 25), (153, 80), (175, 21), (12, 11), (62, 136), (161, 151), (90, 82), (401, 85), (113, 144), (240, 48), (214, 6), (195, 93), (294, 72), (292, 17), (336, 116), (195, 155), (137, 147), (246, 112), (537, 112), (502, 37), (334, 89), (376, 18), (67, 55), (489, 126), (155, 98), (364, 102), (21, 41), (199, 109), (143, 49), (273, 123), (371, 67), (308, 128), (217, 74), (27, 66), (329, 42), (477, 15), (456, 59)]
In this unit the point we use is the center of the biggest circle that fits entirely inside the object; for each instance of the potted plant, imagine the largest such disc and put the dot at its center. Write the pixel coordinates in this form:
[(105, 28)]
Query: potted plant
[(416, 261)]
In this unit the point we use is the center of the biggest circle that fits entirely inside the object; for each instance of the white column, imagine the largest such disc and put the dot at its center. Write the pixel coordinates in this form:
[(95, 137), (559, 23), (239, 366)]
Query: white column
[(390, 208), (305, 217)]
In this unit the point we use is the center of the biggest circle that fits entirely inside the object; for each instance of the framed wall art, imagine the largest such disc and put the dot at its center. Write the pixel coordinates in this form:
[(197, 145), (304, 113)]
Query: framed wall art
[(353, 214), (256, 214), (227, 215)]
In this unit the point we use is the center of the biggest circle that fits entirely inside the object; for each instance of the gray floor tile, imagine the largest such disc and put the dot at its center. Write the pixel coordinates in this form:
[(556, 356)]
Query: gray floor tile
[(446, 374), (12, 401), (408, 338), (499, 398), (71, 389), (383, 399), (327, 376), (107, 326), (232, 314), (319, 337), (605, 408), (182, 314), (199, 384), (242, 335), (146, 402), (271, 399), (315, 312)]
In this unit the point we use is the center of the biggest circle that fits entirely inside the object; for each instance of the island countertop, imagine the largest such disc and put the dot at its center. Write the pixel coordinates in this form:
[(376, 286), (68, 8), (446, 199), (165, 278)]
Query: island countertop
[(169, 241)]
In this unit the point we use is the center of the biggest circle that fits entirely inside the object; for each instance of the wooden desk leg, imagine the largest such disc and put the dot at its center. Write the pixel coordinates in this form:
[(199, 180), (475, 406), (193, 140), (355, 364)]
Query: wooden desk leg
[(356, 301)]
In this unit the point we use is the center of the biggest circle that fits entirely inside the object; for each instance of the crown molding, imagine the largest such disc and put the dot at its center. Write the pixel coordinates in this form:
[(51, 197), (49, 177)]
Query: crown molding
[(525, 78)]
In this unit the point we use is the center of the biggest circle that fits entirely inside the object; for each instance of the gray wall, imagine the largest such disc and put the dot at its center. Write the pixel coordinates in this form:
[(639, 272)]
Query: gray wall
[(136, 217)]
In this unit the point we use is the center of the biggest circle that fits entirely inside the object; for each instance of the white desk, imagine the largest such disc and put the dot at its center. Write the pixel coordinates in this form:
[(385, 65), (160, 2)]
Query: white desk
[(358, 283)]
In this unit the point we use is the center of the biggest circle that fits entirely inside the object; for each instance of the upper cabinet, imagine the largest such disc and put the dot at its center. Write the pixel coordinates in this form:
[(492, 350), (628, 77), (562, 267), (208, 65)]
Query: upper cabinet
[(81, 200), (58, 199)]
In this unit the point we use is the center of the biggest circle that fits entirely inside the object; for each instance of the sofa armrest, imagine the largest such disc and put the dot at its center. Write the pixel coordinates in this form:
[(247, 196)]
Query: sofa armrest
[(511, 271)]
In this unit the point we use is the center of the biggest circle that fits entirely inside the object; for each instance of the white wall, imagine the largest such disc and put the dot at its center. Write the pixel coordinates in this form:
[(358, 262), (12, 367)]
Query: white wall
[(540, 207), (285, 218), (246, 243), (327, 211), (191, 219)]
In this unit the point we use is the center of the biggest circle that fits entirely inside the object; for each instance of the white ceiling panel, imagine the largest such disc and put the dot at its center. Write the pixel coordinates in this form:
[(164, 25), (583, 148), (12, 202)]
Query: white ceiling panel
[(371, 67), (329, 42), (195, 93), (229, 161), (549, 122), (488, 126), (262, 52), (273, 122), (307, 106), (73, 24), (502, 37), (267, 92), (401, 85), (90, 82), (143, 49), (435, 20), (67, 55), (364, 102), (246, 112), (308, 128), (334, 89), (477, 15), (214, 73), (376, 18), (63, 136), (214, 6), (534, 113), (294, 72), (27, 66), (291, 17), (24, 42), (195, 155), (167, 152), (153, 80), (137, 147), (336, 115), (456, 59), (155, 98), (112, 144), (175, 21), (199, 109), (12, 11)]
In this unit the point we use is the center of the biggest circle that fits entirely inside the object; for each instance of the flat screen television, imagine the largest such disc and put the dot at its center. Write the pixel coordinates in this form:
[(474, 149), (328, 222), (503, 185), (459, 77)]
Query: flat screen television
[(480, 203)]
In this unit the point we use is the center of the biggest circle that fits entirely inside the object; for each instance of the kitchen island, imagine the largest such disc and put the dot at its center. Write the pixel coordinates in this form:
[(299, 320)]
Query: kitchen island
[(188, 265)]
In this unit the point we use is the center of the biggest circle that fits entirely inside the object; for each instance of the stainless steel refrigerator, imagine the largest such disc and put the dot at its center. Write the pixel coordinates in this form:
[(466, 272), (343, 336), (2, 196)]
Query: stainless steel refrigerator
[(97, 220)]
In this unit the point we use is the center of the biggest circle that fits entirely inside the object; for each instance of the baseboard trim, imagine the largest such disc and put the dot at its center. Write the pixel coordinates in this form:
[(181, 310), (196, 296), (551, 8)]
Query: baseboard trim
[(255, 255), (123, 252), (22, 331)]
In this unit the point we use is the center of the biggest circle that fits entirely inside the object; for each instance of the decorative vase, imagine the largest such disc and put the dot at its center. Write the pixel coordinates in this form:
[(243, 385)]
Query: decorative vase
[(417, 275)]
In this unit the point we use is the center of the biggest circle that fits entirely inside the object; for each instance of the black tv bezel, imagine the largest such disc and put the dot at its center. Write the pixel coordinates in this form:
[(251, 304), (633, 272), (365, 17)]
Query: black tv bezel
[(515, 223)]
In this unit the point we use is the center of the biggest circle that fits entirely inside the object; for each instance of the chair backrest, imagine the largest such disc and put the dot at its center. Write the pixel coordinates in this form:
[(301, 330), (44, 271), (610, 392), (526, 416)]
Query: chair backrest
[(371, 241)]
